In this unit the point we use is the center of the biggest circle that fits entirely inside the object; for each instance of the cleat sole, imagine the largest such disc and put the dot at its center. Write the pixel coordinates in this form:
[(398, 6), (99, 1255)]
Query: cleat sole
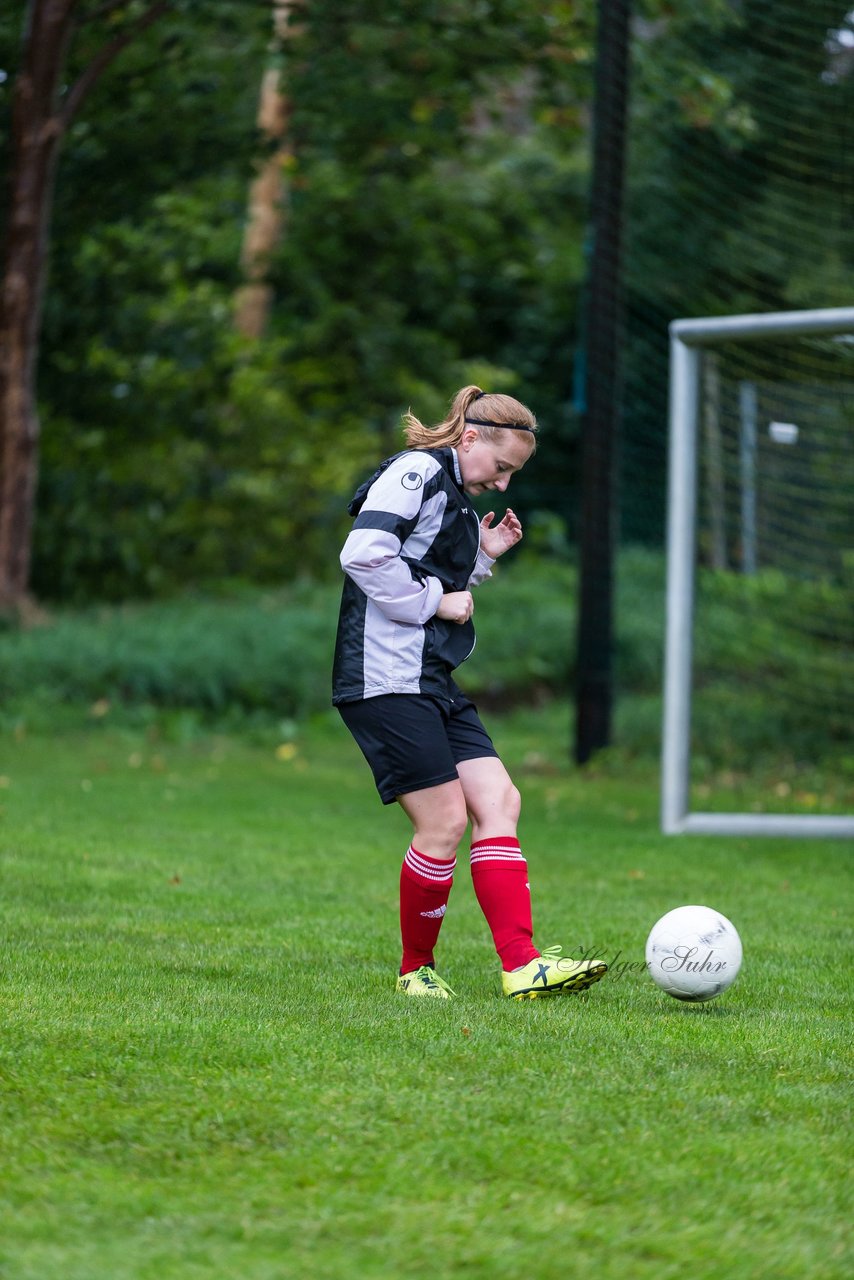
[(576, 982)]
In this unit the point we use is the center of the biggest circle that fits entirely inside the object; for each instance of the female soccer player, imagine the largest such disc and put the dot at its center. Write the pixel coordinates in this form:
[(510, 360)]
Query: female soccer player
[(414, 554)]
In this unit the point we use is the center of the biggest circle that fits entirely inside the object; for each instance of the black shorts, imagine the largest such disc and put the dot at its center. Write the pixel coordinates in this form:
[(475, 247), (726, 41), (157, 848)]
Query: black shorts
[(413, 741)]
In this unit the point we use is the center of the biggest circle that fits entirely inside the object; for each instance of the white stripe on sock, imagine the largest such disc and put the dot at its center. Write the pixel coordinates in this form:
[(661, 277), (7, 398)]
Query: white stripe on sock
[(496, 853), (429, 868)]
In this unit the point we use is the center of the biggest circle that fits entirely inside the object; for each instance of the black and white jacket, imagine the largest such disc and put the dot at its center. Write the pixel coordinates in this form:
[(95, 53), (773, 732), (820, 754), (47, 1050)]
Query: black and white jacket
[(415, 537)]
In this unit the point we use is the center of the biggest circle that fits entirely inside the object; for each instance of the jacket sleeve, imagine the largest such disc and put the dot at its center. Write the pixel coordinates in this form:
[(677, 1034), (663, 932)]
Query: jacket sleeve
[(482, 569), (392, 511)]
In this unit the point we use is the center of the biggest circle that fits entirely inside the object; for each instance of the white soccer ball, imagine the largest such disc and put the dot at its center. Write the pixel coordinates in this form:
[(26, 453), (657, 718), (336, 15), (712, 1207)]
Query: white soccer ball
[(693, 953)]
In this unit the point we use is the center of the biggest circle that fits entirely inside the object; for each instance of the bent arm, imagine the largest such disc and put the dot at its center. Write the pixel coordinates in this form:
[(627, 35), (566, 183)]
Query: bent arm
[(371, 557)]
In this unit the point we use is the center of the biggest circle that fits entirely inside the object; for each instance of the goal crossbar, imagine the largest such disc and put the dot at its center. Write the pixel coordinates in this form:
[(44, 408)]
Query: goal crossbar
[(688, 337)]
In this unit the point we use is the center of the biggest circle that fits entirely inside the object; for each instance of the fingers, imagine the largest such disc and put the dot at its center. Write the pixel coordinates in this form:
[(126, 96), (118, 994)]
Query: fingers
[(466, 606), (508, 520), (511, 525), (456, 606)]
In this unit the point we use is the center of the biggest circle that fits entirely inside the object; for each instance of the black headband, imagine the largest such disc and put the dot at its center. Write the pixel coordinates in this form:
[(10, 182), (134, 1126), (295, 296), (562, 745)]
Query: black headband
[(509, 426)]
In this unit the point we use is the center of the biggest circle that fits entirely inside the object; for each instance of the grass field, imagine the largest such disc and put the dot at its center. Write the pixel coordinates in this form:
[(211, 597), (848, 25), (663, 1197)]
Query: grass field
[(206, 1073)]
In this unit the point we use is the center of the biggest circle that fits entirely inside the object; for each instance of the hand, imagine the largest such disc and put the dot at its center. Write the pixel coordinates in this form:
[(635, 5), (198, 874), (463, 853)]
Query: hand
[(495, 541), (456, 606)]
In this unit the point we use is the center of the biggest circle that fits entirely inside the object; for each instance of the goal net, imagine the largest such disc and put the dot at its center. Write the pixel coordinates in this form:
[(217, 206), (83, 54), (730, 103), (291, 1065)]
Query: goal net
[(759, 673)]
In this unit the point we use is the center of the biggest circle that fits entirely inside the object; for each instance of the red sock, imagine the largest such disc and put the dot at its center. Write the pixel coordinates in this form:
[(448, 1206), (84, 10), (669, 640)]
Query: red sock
[(425, 886), (499, 873)]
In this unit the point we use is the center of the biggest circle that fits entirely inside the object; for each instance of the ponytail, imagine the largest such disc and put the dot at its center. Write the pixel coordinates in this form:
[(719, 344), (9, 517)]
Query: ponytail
[(495, 412)]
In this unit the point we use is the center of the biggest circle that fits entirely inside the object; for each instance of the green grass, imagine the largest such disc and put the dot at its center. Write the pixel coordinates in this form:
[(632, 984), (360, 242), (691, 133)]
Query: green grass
[(205, 1072)]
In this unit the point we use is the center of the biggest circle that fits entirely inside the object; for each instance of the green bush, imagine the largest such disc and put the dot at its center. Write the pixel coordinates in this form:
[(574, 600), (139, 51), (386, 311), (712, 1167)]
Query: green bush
[(762, 683), (259, 652)]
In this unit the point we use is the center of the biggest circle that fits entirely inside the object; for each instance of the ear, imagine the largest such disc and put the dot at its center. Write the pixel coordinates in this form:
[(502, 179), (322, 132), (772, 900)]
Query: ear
[(468, 438)]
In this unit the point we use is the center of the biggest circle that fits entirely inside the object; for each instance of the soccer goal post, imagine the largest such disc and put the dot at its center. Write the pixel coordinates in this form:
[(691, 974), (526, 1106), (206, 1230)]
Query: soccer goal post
[(690, 341)]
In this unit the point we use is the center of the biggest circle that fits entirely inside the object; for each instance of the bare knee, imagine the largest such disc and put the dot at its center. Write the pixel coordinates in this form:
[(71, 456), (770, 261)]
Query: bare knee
[(439, 819), (513, 803), (439, 834), (509, 804), (497, 811), (493, 801)]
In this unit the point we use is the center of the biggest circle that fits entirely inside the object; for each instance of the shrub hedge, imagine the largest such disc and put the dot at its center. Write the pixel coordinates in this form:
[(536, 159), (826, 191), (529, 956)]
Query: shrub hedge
[(268, 654)]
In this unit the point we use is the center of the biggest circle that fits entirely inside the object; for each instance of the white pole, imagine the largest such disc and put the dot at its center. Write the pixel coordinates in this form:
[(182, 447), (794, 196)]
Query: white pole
[(720, 328), (797, 825), (687, 338), (714, 459), (681, 509), (747, 443)]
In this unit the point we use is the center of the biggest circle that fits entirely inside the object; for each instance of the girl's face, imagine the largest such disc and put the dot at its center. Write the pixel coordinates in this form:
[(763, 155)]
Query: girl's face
[(490, 464)]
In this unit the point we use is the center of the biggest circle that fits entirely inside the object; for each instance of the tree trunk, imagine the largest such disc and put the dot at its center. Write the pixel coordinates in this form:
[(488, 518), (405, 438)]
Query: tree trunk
[(266, 194), (41, 113), (37, 127)]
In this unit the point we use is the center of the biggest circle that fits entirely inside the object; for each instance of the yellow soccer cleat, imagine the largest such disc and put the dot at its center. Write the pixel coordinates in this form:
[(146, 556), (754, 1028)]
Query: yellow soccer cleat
[(551, 975), (424, 982)]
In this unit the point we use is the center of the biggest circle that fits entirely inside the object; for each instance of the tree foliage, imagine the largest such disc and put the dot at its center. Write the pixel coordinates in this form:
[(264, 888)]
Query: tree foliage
[(433, 231), (434, 235), (741, 186)]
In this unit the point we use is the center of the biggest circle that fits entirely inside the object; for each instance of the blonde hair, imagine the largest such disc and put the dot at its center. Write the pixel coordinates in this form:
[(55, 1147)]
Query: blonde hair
[(471, 402)]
